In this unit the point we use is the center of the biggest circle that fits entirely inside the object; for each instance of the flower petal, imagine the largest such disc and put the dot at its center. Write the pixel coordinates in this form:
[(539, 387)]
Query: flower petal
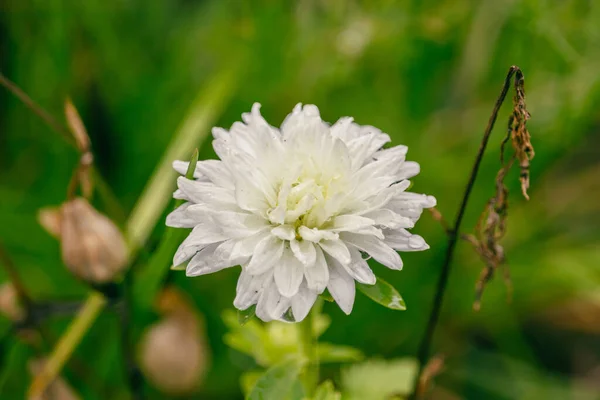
[(216, 171), (271, 304), (201, 236), (304, 251), (179, 218), (359, 268), (337, 249), (284, 232), (350, 223), (403, 240), (182, 166), (205, 192), (288, 274), (302, 302), (317, 276), (315, 235), (389, 219), (267, 254), (206, 262), (249, 287), (376, 248), (341, 286)]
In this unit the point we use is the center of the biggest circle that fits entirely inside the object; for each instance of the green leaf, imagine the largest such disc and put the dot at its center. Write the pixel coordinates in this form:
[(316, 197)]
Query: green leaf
[(321, 323), (189, 173), (332, 353), (148, 281), (180, 267), (192, 167), (251, 339), (383, 293), (279, 382), (327, 296), (326, 391), (379, 379), (195, 127), (245, 315), (248, 380)]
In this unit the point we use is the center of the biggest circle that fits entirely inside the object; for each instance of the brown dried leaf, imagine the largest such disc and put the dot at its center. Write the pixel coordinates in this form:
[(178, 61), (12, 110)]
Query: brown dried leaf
[(76, 127), (491, 227), (520, 137)]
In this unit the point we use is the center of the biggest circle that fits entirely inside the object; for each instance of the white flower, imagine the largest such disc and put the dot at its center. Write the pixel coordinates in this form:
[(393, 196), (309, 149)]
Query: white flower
[(298, 208)]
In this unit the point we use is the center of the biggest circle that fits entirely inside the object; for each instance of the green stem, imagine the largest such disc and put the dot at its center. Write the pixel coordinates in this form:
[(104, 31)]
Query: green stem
[(308, 348), (67, 343)]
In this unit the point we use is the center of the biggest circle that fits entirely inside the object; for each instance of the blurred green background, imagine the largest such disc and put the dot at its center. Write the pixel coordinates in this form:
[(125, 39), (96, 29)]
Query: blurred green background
[(426, 72)]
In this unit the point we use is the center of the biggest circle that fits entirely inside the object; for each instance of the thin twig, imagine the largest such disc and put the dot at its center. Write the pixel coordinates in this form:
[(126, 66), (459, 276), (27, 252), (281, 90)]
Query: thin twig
[(36, 108), (104, 189), (425, 346), (14, 277)]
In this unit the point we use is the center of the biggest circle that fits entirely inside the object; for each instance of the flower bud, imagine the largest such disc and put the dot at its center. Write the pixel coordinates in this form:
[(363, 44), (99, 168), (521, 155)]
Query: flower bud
[(173, 353), (59, 389), (9, 303), (92, 246)]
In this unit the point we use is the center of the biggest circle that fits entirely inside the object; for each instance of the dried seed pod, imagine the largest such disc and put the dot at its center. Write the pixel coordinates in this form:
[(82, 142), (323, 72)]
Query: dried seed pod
[(173, 354), (49, 219), (59, 389), (9, 303), (92, 246)]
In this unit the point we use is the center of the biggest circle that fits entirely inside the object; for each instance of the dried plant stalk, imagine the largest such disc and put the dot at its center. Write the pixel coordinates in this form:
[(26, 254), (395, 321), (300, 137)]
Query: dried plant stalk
[(491, 226), (433, 368)]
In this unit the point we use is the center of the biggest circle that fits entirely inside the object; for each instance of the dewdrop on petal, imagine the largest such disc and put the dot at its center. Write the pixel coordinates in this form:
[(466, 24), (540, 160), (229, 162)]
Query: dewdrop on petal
[(92, 246), (173, 354), (300, 208)]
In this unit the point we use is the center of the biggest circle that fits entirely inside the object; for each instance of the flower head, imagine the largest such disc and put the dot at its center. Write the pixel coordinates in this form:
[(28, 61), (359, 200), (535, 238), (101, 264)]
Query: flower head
[(299, 208)]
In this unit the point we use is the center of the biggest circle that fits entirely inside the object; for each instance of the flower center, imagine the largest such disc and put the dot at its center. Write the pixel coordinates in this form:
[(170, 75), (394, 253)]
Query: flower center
[(305, 201)]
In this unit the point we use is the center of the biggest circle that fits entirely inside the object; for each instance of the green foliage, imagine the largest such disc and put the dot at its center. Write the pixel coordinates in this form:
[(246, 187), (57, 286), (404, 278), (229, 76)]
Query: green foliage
[(148, 281), (271, 343), (426, 73), (326, 391), (248, 380), (331, 353), (245, 315), (280, 382), (383, 293), (378, 379)]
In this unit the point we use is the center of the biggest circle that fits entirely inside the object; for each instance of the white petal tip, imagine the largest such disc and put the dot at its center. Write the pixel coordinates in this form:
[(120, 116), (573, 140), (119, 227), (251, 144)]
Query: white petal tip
[(180, 166), (431, 202), (311, 110)]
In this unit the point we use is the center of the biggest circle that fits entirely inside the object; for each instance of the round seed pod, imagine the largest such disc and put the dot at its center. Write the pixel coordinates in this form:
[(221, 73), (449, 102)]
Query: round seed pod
[(173, 354)]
